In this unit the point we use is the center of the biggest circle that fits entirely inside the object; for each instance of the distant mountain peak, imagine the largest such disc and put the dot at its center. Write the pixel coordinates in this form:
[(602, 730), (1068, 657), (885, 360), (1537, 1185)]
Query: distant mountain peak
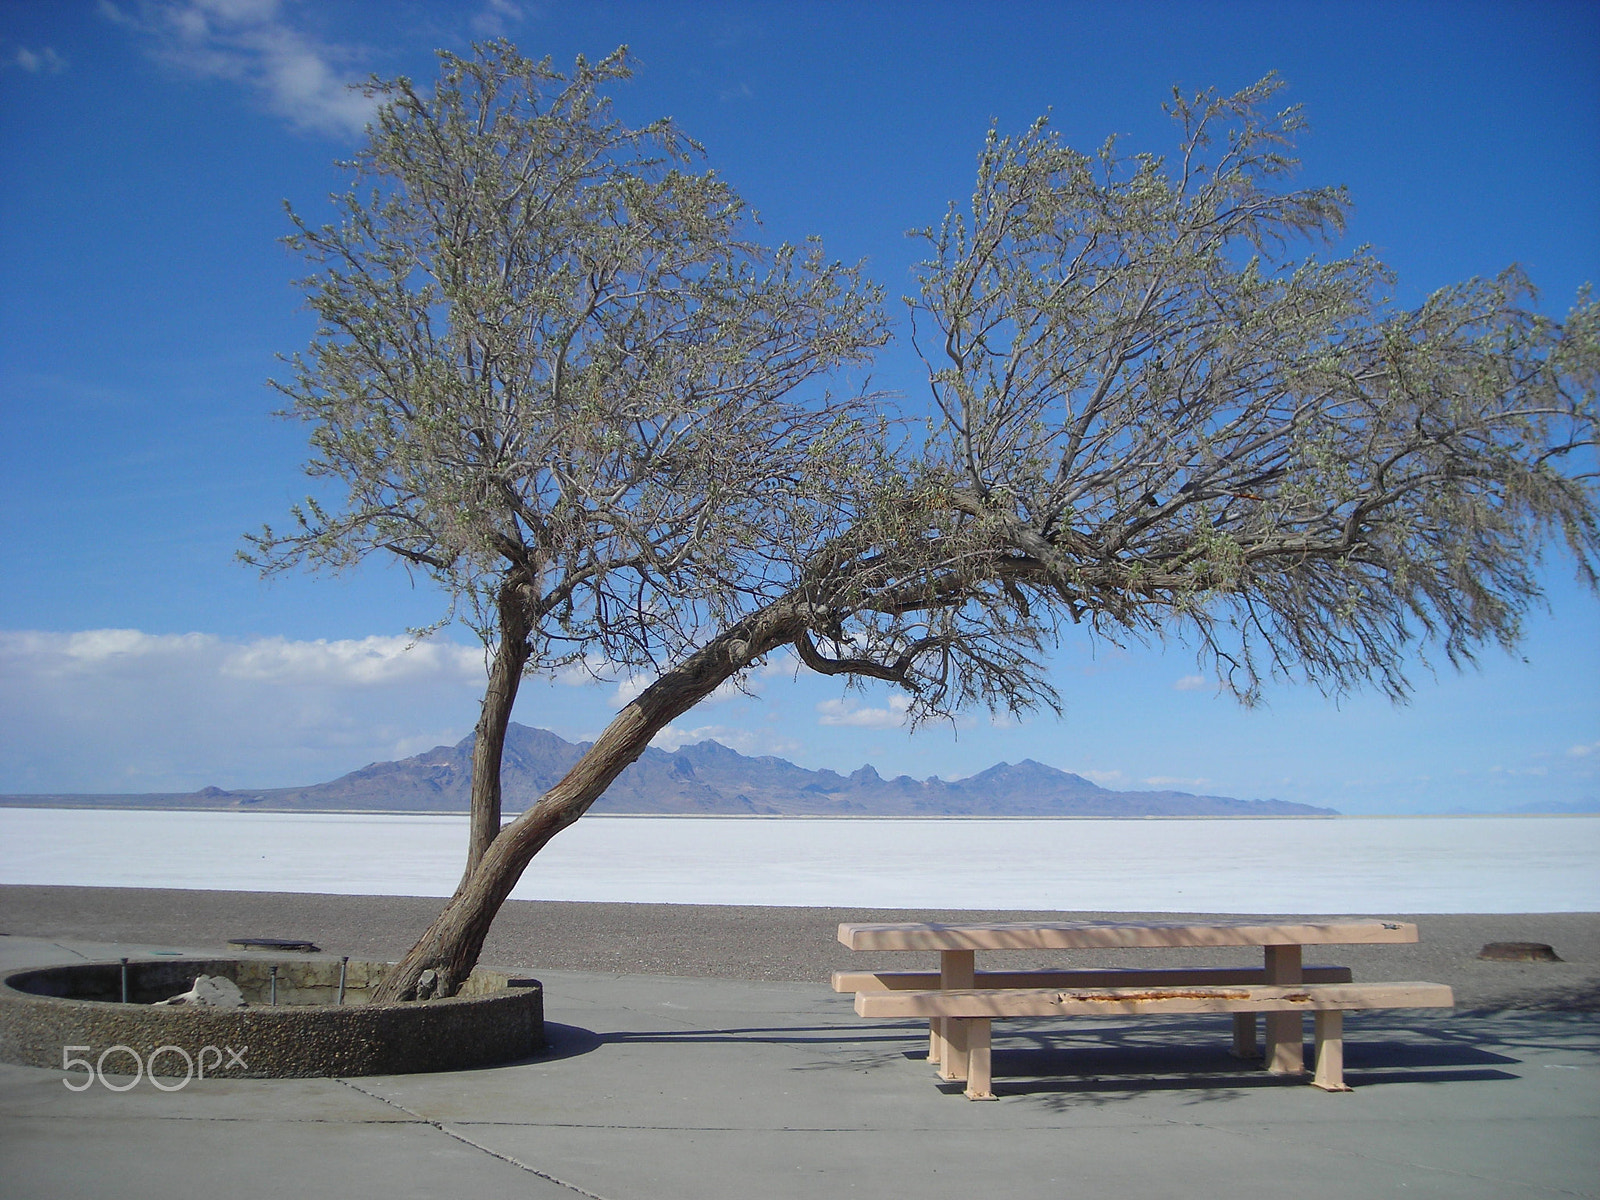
[(711, 778)]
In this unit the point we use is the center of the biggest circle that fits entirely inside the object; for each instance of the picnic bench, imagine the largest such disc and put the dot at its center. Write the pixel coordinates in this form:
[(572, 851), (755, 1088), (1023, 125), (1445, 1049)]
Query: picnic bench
[(960, 1001)]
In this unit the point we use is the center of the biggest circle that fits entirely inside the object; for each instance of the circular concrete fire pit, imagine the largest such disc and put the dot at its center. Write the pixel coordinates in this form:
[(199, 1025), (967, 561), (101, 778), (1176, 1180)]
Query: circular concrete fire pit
[(57, 1016)]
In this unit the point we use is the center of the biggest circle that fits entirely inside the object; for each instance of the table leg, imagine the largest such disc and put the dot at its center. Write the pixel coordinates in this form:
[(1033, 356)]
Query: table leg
[(956, 969), (1286, 1031)]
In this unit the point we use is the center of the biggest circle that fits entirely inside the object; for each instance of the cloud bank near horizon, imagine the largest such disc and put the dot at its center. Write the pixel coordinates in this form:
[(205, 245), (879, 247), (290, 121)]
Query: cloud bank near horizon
[(120, 710), (125, 711)]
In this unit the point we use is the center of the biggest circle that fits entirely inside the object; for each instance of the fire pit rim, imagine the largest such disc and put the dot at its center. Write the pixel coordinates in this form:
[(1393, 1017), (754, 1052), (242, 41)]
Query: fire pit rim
[(500, 1019)]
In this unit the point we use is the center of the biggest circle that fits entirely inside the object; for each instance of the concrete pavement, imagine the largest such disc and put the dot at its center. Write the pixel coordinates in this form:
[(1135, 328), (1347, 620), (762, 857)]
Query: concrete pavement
[(659, 1087)]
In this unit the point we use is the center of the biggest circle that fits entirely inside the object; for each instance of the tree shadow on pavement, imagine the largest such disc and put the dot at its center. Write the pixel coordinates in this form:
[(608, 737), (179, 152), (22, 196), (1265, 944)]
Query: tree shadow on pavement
[(571, 1041)]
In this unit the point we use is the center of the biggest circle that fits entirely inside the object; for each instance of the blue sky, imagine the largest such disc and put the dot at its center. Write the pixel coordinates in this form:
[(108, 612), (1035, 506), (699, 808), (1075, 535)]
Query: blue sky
[(146, 149)]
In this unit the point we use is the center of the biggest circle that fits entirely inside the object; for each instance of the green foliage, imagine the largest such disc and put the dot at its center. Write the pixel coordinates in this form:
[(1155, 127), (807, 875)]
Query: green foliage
[(1179, 425), (551, 370)]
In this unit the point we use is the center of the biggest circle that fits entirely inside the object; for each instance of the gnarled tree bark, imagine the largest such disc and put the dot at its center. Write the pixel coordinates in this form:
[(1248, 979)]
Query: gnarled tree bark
[(452, 944), (488, 747)]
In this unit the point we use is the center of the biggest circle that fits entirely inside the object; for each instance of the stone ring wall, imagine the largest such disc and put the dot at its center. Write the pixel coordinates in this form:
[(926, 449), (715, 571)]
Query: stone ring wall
[(495, 1018)]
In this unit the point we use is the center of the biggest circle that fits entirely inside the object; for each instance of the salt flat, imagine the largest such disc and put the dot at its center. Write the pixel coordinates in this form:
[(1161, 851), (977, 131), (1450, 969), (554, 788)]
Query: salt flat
[(1350, 864)]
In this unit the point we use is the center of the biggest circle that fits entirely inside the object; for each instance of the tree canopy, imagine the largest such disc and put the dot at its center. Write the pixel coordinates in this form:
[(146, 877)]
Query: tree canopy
[(553, 372), (548, 349), (1170, 422)]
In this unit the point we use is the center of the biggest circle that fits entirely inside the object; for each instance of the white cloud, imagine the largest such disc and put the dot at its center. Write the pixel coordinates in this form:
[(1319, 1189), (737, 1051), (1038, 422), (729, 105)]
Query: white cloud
[(251, 42), (111, 710), (36, 62), (495, 18), (629, 690), (1168, 781), (848, 711), (100, 649), (1583, 750), (369, 662), (1190, 683)]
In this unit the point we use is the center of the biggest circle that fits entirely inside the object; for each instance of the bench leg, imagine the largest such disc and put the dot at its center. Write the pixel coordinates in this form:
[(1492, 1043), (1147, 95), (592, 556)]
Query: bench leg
[(1286, 1050), (1330, 1052), (1244, 1036), (955, 974), (935, 1041), (979, 1080), (1286, 1031), (955, 1066)]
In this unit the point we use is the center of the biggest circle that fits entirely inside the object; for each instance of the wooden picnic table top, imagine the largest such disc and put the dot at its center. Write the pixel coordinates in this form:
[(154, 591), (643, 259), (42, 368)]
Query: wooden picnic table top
[(1071, 935)]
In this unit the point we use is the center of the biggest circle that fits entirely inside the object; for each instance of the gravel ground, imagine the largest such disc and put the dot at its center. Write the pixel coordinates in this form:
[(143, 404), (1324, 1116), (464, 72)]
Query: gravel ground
[(734, 942)]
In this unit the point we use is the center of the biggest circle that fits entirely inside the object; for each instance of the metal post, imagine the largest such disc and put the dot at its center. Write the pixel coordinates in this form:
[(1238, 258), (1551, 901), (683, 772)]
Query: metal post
[(124, 981), (343, 963), (273, 975)]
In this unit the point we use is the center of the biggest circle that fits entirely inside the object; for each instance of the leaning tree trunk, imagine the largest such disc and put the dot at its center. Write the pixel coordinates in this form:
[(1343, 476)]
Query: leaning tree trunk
[(452, 944), (488, 746)]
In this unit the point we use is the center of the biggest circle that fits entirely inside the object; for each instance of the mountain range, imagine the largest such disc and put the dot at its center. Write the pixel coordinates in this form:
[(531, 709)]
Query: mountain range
[(703, 779)]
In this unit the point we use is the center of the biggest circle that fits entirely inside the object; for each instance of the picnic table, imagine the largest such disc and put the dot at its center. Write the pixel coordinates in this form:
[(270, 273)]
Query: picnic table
[(960, 1001)]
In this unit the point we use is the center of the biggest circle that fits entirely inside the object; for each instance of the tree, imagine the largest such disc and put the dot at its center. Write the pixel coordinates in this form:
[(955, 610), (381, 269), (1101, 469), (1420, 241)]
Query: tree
[(1145, 417), (1180, 427), (552, 374)]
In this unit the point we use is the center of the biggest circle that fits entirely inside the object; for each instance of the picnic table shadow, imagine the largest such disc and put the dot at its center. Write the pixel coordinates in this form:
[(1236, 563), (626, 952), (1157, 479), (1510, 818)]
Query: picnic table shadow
[(1105, 1061), (1190, 1058), (1204, 1071)]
